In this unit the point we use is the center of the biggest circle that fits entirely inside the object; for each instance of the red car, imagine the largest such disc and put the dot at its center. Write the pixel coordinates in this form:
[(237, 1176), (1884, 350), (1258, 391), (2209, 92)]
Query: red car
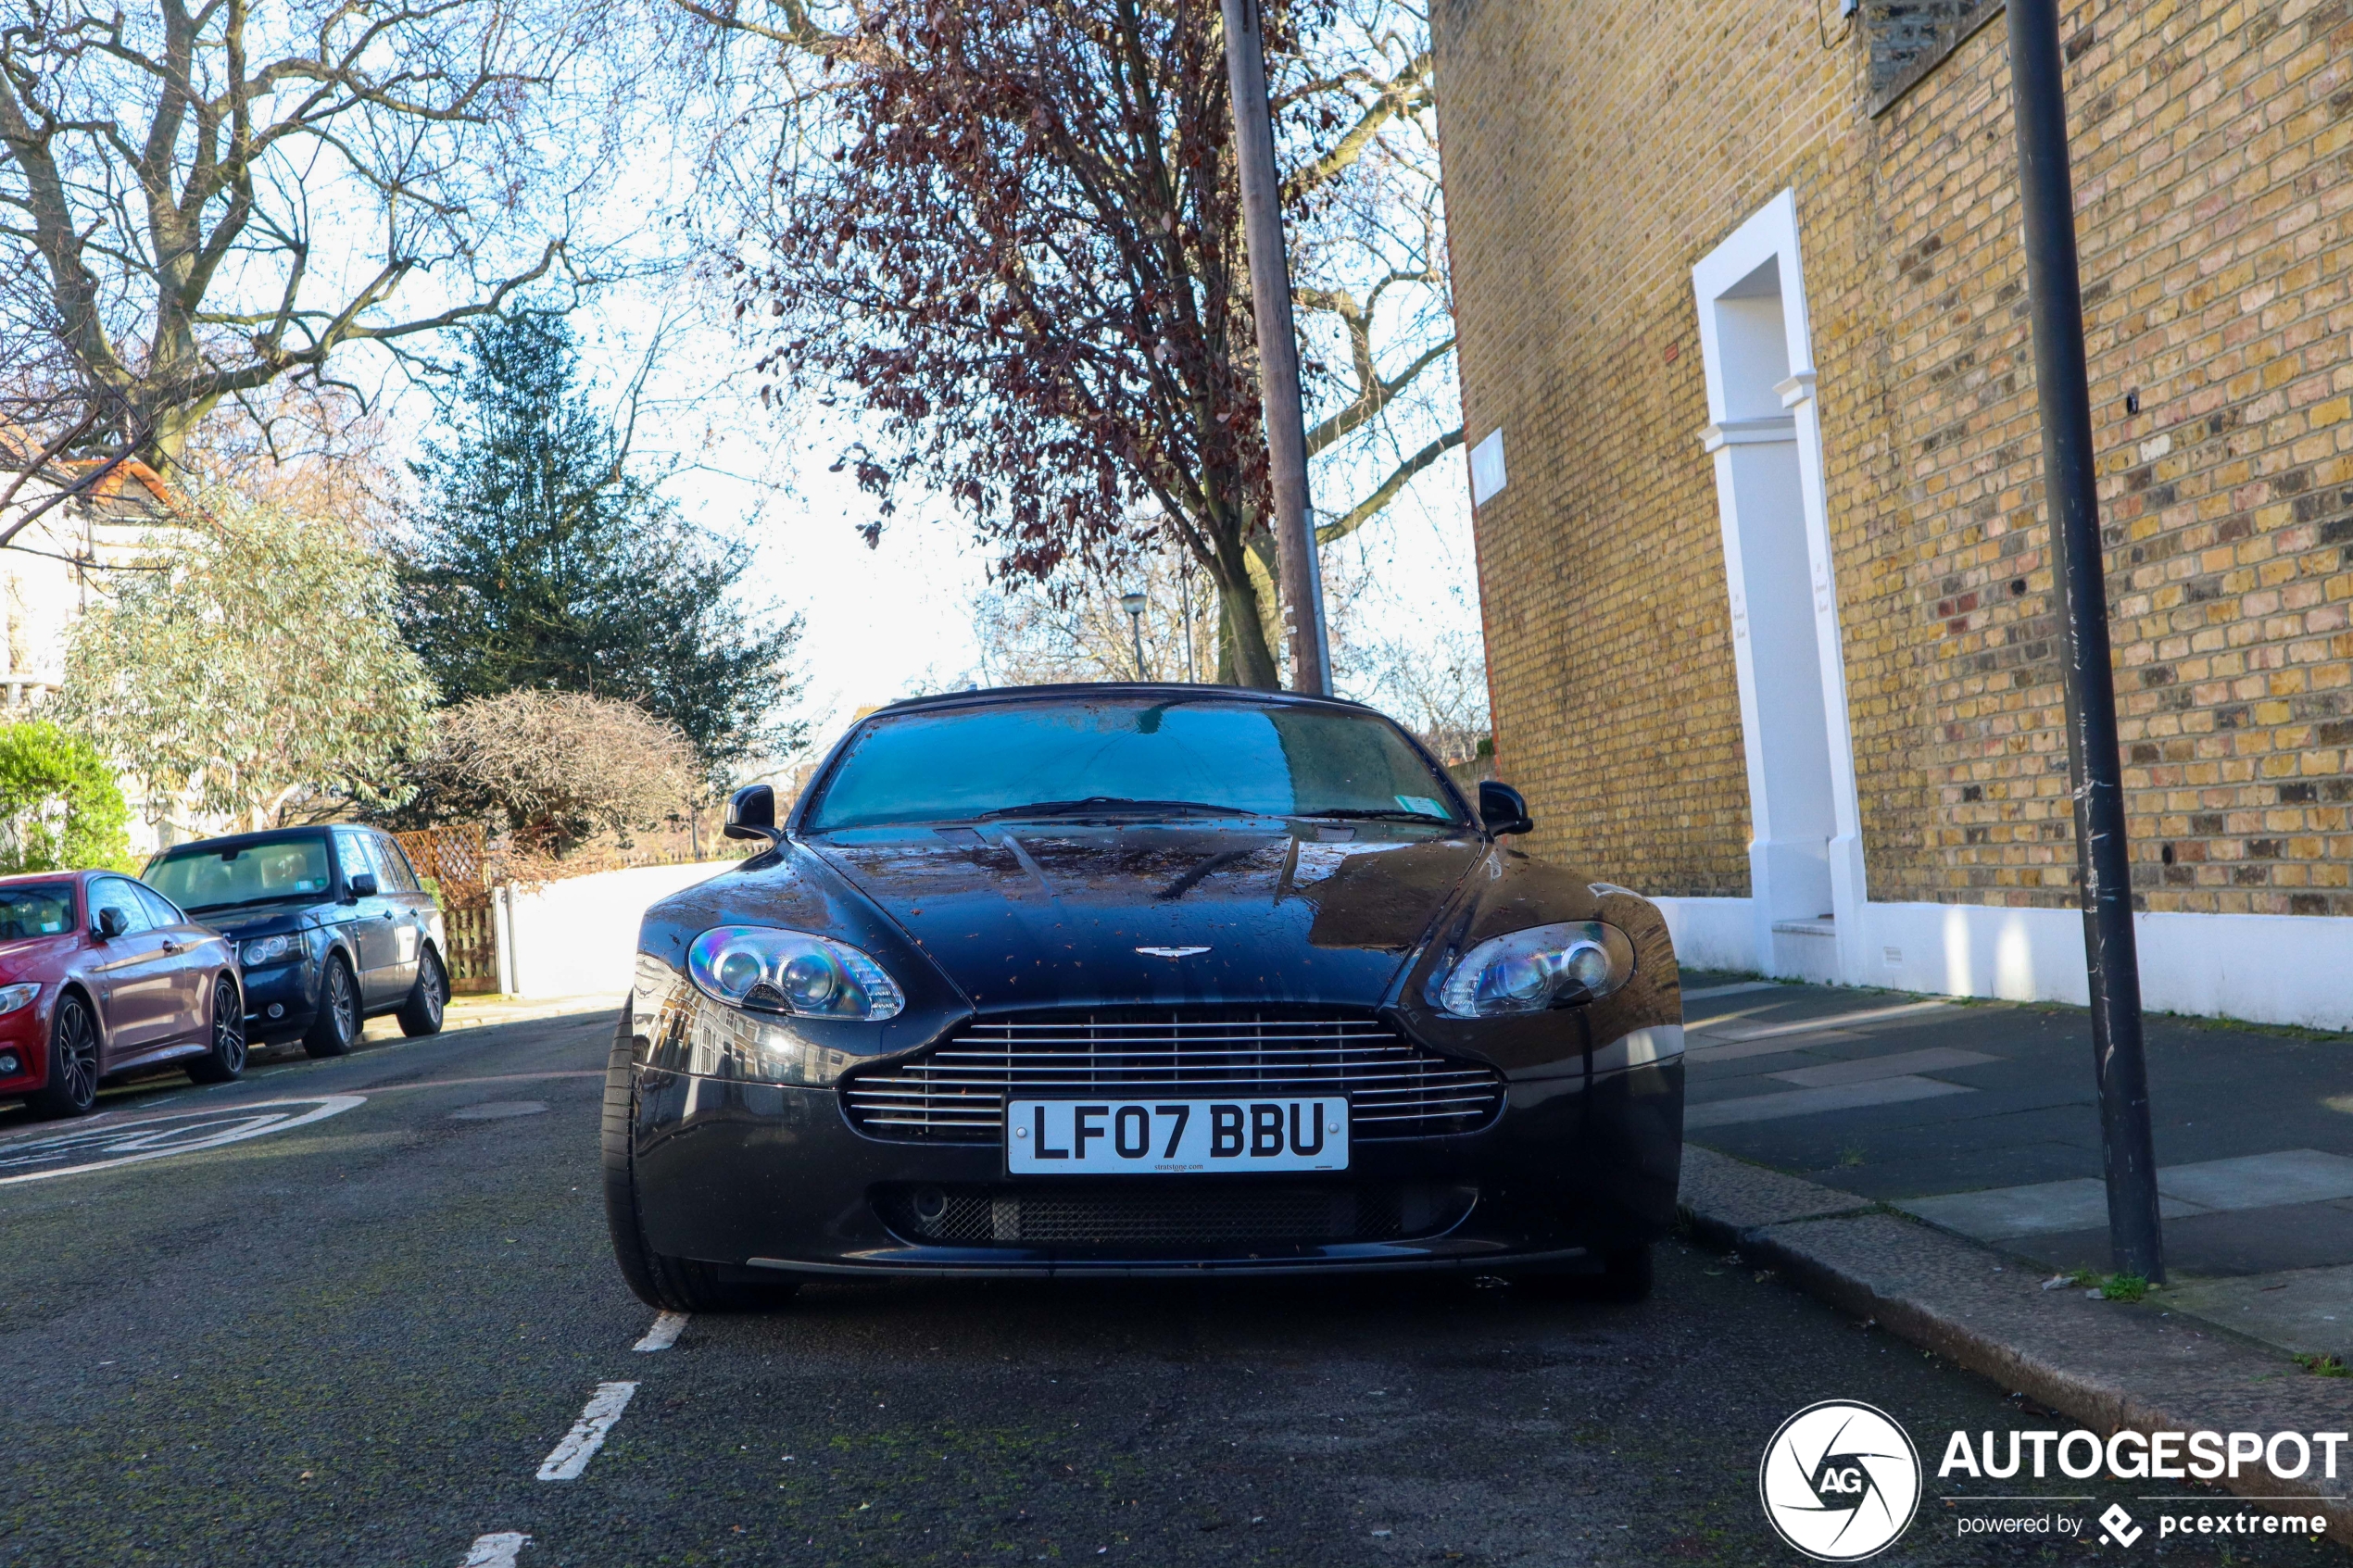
[(99, 974)]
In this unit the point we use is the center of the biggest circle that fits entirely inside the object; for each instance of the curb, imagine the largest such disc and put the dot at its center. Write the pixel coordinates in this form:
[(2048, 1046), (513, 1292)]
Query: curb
[(487, 1014), (2110, 1366)]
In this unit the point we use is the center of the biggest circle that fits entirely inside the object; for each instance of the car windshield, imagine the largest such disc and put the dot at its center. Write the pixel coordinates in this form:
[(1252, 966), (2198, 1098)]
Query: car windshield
[(1150, 755), (41, 909), (195, 877)]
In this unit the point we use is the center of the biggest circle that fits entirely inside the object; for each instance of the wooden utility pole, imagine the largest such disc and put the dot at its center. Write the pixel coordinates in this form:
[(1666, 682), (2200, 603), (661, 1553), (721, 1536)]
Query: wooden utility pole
[(1302, 585)]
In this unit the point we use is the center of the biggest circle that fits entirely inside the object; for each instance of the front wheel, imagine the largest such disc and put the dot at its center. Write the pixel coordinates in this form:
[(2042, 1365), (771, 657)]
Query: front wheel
[(674, 1285), (336, 1029), (225, 1063), (428, 999), (73, 1088)]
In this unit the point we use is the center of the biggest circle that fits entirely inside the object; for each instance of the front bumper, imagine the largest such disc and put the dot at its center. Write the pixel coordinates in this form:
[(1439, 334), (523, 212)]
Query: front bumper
[(291, 987), (772, 1177), (24, 1037)]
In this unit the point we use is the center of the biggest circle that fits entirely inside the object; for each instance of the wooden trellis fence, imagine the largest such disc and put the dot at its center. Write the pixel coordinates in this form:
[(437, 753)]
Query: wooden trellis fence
[(456, 862)]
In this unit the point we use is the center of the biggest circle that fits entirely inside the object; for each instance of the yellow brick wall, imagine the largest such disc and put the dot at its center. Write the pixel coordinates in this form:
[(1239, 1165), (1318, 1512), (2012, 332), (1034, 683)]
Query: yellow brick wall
[(1594, 152)]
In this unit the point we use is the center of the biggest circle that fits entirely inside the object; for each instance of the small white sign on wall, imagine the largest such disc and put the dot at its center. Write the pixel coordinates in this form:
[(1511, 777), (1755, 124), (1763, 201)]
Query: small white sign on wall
[(1486, 466)]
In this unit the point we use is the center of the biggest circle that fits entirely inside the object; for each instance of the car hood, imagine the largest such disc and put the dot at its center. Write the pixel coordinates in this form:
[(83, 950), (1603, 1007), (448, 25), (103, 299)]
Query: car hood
[(1179, 914), (260, 920)]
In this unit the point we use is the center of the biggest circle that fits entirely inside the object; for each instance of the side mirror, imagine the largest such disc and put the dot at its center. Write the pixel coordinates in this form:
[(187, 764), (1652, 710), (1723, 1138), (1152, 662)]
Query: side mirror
[(112, 924), (752, 813), (362, 885), (1503, 808)]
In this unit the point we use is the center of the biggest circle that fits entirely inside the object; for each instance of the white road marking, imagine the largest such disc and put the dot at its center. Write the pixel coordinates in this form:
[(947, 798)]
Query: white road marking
[(495, 1552), (587, 1434), (665, 1332), (139, 1141)]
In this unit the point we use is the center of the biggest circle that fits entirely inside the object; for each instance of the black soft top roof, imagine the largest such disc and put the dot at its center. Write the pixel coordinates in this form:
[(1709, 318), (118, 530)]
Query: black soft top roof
[(991, 696)]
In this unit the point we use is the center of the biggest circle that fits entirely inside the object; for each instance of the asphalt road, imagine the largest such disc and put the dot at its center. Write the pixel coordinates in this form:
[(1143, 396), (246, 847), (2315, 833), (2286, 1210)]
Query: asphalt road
[(356, 1340)]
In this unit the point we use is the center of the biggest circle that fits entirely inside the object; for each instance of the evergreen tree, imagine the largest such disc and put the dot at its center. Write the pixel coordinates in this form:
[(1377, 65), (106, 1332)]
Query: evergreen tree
[(540, 560)]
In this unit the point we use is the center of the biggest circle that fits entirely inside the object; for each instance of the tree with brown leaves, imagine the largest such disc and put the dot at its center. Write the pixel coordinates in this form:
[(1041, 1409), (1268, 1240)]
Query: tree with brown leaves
[(1013, 236)]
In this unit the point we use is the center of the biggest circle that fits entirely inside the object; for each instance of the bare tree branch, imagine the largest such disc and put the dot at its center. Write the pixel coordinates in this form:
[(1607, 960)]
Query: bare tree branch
[(1370, 507), (166, 158)]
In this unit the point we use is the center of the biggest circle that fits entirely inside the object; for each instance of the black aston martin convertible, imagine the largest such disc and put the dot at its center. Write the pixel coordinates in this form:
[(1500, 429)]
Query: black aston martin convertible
[(1140, 980)]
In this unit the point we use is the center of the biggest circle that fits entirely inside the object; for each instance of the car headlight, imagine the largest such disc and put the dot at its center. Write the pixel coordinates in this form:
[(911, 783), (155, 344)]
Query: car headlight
[(270, 949), (1545, 966), (15, 996), (761, 968)]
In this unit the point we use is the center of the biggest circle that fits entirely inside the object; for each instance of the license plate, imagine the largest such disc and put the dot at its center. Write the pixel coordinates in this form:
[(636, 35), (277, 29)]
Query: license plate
[(1070, 1137)]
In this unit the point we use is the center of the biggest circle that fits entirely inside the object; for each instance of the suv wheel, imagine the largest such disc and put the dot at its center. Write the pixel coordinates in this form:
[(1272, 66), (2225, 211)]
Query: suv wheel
[(336, 1029), (428, 999)]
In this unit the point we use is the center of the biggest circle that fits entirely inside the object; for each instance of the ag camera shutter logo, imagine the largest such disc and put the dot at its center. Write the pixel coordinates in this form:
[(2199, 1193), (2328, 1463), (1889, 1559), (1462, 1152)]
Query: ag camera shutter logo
[(1840, 1481)]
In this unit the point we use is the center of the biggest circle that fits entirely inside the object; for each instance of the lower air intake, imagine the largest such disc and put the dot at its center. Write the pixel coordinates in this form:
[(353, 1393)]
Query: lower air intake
[(1124, 1217)]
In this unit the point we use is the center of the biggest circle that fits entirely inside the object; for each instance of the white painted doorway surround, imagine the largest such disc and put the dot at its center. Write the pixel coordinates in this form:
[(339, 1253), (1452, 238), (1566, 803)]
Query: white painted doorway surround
[(1808, 914), (1806, 849)]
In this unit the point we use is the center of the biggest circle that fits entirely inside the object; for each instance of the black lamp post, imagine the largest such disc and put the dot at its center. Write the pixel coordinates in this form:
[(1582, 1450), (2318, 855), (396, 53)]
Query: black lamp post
[(2055, 294)]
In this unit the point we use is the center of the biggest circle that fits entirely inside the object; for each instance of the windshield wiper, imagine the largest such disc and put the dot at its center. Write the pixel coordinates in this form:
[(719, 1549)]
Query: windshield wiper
[(240, 903), (1110, 803), (1380, 814)]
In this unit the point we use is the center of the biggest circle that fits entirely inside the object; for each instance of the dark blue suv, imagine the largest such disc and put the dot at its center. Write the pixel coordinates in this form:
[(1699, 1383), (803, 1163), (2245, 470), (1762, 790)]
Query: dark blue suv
[(331, 927)]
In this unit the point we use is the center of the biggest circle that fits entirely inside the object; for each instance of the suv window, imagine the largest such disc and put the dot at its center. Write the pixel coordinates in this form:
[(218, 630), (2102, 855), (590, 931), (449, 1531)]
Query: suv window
[(395, 874), (351, 848), (205, 876), (113, 893), (159, 909)]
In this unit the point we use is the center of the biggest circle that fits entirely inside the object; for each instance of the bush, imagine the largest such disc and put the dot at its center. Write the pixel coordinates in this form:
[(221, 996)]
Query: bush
[(554, 770), (61, 808)]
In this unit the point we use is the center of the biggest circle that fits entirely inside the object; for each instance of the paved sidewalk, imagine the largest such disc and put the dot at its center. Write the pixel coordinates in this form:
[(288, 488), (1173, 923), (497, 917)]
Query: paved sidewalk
[(2147, 1366), (477, 1011), (1979, 1119)]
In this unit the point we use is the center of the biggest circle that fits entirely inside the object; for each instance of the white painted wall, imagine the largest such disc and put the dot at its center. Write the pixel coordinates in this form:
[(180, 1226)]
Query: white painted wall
[(2266, 969), (578, 937)]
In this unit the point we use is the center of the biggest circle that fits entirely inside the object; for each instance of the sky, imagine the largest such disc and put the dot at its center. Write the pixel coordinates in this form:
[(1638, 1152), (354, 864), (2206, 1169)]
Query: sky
[(895, 620)]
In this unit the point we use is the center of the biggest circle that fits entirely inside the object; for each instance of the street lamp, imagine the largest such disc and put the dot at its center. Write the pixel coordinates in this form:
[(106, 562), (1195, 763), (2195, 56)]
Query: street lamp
[(1134, 605), (2055, 299)]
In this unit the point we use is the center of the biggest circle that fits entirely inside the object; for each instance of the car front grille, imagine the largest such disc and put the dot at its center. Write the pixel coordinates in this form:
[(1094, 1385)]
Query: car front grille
[(1136, 1214), (956, 1091)]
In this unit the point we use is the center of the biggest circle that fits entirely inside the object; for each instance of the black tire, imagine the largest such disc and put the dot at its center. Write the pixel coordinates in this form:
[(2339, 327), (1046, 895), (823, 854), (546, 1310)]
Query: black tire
[(336, 1029), (673, 1285), (428, 998), (73, 1088), (225, 1063)]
